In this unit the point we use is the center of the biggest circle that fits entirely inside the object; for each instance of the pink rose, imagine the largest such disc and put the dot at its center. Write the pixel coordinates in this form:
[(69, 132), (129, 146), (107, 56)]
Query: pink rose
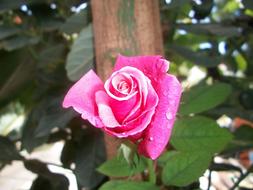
[(139, 102)]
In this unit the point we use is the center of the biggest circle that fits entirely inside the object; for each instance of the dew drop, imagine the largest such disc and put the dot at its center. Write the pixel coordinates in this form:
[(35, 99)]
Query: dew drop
[(169, 115), (150, 138), (123, 133)]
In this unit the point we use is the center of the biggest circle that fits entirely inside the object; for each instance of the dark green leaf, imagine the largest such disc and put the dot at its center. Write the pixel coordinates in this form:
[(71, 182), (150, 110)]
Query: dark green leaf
[(21, 76), (128, 185), (119, 167), (248, 4), (90, 154), (175, 4), (29, 140), (54, 116), (199, 133), (8, 150), (75, 23), (184, 168), (68, 153), (17, 42), (204, 97), (9, 62), (46, 179), (80, 58), (51, 54), (162, 160), (196, 57), (13, 4), (6, 31), (211, 29)]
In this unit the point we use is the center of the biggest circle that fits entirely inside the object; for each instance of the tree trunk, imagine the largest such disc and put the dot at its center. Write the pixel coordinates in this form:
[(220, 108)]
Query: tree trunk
[(128, 27)]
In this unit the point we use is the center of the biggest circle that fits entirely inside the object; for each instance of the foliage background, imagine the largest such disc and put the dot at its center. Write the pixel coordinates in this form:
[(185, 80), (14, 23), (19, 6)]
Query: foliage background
[(46, 45)]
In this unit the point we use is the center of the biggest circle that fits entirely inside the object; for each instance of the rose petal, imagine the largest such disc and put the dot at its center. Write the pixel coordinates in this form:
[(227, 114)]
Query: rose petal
[(81, 97), (122, 108), (104, 110), (151, 66), (158, 132), (132, 128), (151, 102)]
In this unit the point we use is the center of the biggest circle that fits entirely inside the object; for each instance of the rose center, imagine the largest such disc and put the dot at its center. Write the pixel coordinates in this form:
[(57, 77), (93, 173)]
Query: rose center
[(122, 83), (123, 87)]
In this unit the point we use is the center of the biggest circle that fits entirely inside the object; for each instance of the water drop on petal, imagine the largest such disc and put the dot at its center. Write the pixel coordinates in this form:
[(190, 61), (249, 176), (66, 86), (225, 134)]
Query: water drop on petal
[(169, 115), (150, 138)]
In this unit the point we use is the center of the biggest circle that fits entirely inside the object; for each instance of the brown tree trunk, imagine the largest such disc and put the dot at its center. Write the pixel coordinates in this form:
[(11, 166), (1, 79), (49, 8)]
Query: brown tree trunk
[(128, 27)]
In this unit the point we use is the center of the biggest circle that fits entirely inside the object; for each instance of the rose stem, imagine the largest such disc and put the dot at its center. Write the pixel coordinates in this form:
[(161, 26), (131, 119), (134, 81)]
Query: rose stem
[(151, 169)]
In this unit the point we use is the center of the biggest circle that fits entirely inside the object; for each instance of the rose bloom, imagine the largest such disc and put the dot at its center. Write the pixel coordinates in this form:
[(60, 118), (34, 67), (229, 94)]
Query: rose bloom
[(139, 102)]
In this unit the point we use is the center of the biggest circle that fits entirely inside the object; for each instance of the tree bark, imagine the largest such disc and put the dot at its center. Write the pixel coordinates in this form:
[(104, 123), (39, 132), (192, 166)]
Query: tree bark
[(127, 27)]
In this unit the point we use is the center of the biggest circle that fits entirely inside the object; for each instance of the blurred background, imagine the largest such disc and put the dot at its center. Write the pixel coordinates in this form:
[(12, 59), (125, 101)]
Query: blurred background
[(46, 45)]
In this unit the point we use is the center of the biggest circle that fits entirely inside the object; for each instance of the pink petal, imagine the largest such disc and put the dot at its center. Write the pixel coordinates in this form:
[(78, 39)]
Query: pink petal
[(151, 66), (132, 128), (122, 108), (158, 132), (81, 97), (104, 110)]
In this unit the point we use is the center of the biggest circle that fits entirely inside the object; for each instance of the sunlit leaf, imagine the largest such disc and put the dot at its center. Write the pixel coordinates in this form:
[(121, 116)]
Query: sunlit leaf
[(184, 168), (119, 167), (80, 58), (198, 134), (204, 97)]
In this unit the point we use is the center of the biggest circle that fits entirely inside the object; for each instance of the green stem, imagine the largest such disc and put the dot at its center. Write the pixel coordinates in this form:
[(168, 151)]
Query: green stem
[(151, 169)]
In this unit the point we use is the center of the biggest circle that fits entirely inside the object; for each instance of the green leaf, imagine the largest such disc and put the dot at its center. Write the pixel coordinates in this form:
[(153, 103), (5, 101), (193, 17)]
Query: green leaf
[(68, 153), (51, 54), (197, 58), (248, 4), (119, 167), (17, 80), (17, 42), (13, 4), (165, 157), (204, 97), (54, 116), (128, 185), (46, 179), (6, 31), (211, 29), (244, 134), (75, 22), (80, 58), (90, 154), (29, 140), (42, 183), (8, 150), (199, 134), (184, 168)]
